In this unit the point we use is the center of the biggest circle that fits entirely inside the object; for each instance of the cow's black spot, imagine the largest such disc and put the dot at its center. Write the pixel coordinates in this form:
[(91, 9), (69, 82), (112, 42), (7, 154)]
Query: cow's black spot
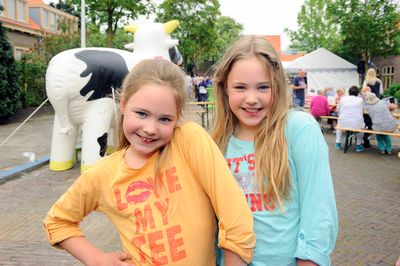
[(103, 144), (108, 70)]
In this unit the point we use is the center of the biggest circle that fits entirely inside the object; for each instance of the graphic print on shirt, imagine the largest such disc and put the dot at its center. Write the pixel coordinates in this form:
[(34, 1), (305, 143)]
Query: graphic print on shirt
[(242, 169), (150, 211)]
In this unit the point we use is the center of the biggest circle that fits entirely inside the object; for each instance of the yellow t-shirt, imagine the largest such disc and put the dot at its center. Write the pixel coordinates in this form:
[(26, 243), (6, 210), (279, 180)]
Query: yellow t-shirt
[(173, 227)]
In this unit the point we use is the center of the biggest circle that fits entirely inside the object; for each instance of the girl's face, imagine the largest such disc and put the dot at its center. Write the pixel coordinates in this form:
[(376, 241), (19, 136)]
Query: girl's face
[(150, 117), (249, 94)]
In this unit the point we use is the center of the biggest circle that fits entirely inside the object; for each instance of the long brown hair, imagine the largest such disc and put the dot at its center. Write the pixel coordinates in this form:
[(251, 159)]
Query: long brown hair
[(272, 174)]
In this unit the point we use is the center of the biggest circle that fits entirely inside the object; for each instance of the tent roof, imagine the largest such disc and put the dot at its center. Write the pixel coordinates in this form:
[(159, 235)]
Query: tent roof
[(320, 59)]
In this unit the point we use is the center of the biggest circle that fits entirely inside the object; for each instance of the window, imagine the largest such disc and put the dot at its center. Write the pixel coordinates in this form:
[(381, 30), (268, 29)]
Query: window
[(52, 24), (2, 4), (11, 9), (18, 52), (387, 75), (45, 18), (21, 10)]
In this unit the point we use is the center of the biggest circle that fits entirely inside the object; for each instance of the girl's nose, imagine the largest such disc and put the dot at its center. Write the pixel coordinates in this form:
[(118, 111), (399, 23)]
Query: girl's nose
[(150, 127), (251, 97)]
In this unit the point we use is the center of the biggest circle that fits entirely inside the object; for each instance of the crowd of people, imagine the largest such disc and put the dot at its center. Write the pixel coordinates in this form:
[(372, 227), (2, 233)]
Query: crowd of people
[(197, 87), (257, 191), (360, 109)]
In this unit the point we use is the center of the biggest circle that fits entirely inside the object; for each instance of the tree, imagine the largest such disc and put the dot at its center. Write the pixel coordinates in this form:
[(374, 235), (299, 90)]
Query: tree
[(228, 31), (65, 7), (317, 27), (196, 32), (97, 38), (10, 93), (369, 28), (33, 65), (112, 14)]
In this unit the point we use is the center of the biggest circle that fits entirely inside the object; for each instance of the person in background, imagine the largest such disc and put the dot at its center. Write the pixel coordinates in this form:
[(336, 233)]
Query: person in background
[(299, 89), (382, 120), (350, 112), (339, 95), (367, 120), (319, 105), (310, 95), (203, 93), (332, 112), (278, 156), (373, 82), (189, 86), (162, 190)]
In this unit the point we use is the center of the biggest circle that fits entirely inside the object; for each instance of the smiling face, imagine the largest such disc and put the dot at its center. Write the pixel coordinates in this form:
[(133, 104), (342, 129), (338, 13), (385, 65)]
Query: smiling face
[(249, 94), (150, 117)]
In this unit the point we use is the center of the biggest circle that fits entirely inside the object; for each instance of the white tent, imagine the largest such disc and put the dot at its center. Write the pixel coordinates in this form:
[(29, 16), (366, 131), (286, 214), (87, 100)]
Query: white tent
[(325, 69)]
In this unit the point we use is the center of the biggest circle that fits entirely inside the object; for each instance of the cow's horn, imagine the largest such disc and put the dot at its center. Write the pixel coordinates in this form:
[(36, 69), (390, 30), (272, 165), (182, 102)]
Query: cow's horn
[(131, 28), (171, 25)]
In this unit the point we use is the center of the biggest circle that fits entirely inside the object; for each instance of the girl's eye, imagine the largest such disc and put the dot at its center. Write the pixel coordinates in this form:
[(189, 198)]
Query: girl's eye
[(141, 114), (165, 119), (264, 88), (239, 87)]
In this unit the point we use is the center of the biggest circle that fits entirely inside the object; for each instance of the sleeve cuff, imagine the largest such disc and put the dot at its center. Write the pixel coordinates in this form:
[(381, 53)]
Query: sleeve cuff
[(243, 247), (305, 251), (56, 235)]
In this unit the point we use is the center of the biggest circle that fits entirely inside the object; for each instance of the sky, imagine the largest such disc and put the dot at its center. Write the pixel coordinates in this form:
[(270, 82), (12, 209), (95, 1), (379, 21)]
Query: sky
[(264, 17)]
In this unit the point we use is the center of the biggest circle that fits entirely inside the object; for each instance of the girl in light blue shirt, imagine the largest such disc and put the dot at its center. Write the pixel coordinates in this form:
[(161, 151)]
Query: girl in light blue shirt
[(279, 157)]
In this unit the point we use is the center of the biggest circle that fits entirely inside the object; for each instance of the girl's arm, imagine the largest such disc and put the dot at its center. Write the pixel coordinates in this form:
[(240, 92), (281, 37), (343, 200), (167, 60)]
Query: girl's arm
[(232, 259), (306, 263), (89, 255), (235, 220), (318, 227)]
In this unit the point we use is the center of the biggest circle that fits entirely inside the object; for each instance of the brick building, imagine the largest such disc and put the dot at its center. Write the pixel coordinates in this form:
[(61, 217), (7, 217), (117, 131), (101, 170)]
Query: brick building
[(27, 21)]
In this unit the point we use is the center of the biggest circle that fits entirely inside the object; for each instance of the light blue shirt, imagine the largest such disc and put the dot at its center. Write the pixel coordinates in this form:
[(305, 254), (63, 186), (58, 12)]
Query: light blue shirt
[(308, 228)]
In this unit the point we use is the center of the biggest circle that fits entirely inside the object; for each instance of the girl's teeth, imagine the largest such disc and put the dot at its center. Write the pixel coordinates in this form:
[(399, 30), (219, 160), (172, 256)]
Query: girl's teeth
[(146, 139)]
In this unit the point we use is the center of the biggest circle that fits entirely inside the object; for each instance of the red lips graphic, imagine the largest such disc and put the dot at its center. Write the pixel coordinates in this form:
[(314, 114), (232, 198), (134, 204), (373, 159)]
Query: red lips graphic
[(130, 195)]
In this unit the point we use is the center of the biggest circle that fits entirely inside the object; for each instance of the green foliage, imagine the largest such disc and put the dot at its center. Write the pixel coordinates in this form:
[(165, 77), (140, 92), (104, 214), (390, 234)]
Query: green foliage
[(197, 31), (228, 31), (99, 39), (112, 14), (393, 90), (66, 7), (353, 29), (317, 27), (368, 28), (33, 64), (10, 96), (32, 70)]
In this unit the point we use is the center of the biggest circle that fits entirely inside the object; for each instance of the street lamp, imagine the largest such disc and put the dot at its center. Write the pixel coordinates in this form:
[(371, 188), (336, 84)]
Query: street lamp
[(83, 25)]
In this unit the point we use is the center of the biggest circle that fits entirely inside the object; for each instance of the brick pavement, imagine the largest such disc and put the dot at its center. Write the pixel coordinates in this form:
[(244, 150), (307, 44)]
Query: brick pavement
[(367, 188)]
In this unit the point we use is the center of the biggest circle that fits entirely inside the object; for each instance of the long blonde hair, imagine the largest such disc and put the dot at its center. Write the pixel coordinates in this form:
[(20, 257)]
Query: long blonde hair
[(158, 72), (272, 174), (370, 77)]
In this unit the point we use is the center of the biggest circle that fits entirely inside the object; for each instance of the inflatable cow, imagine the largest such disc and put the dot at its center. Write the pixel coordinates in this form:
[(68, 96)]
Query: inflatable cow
[(80, 84)]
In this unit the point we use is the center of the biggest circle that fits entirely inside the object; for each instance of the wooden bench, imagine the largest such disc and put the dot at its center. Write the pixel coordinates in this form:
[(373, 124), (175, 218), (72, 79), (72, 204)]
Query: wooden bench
[(351, 131), (325, 117), (328, 117), (203, 113)]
